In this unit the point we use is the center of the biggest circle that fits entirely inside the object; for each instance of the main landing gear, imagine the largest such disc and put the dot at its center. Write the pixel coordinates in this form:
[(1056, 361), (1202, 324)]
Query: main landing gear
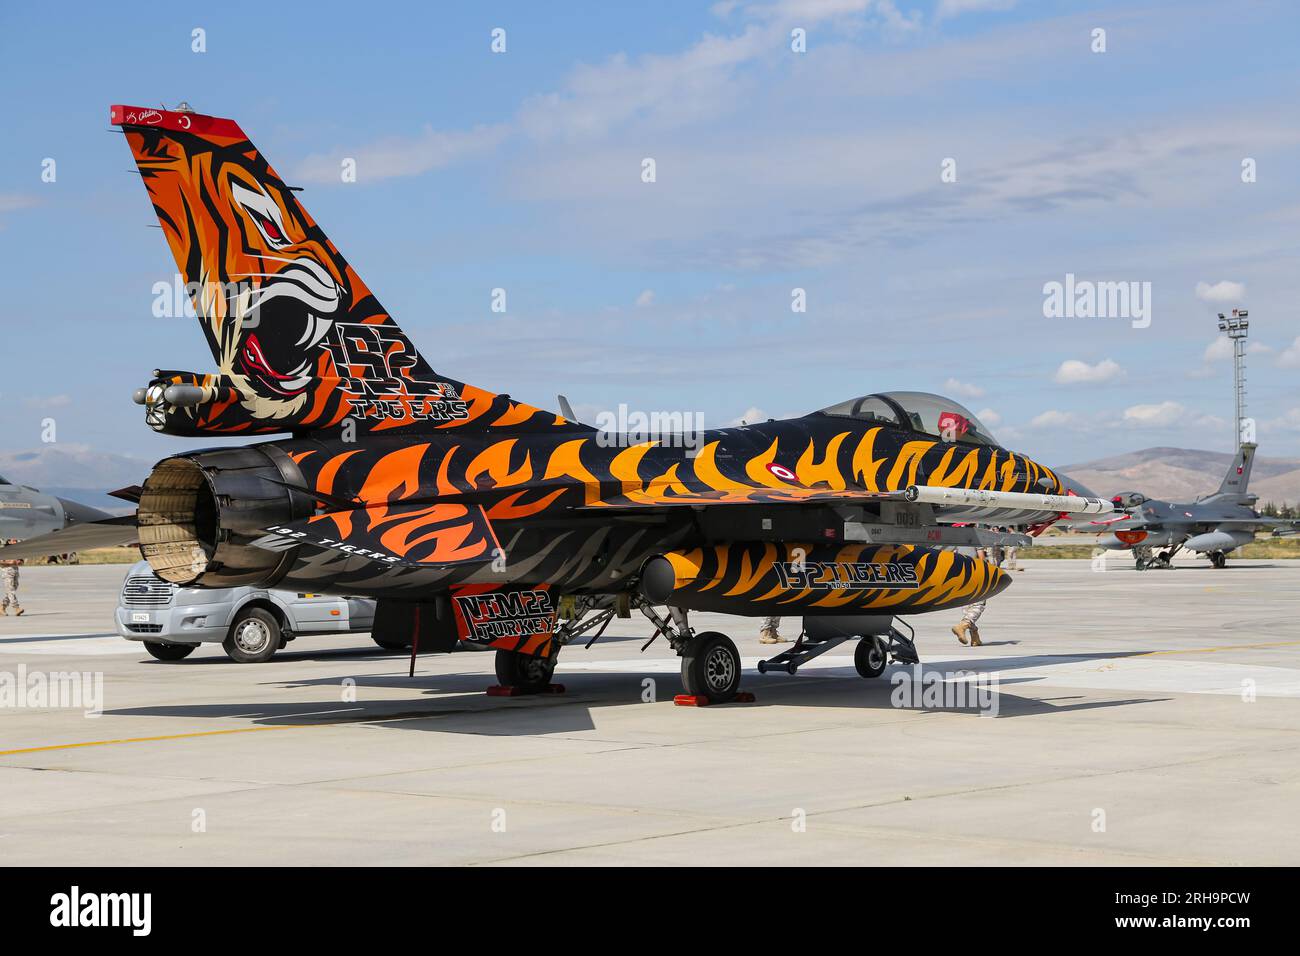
[(1218, 558), (525, 673), (873, 653), (1148, 559), (710, 661)]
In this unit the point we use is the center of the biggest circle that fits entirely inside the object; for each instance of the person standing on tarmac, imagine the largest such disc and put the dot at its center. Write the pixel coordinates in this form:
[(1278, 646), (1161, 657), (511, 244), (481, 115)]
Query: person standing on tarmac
[(966, 629), (9, 574), (1009, 563), (768, 633)]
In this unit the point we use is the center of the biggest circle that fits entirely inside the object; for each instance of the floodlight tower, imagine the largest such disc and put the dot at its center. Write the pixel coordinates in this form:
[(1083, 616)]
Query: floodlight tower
[(1235, 327)]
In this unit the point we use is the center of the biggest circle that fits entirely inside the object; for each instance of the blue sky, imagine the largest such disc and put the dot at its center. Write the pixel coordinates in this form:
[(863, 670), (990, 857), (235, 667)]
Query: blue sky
[(775, 170)]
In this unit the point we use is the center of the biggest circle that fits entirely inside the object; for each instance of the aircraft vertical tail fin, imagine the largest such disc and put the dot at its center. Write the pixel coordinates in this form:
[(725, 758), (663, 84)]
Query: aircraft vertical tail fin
[(299, 340), (1237, 479)]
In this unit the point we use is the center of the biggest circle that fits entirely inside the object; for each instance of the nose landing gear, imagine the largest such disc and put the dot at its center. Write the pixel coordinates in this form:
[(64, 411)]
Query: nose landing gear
[(873, 653)]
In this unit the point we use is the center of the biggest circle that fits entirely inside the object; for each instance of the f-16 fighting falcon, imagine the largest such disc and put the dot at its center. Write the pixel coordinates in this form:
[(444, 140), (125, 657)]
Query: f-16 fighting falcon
[(471, 516), (27, 513), (1214, 525)]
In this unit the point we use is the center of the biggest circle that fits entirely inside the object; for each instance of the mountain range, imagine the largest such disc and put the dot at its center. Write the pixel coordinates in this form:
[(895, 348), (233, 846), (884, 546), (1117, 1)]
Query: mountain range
[(1182, 474)]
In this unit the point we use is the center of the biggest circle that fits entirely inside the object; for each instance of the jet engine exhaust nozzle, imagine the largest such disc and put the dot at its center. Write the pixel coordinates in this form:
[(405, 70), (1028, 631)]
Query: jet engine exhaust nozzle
[(199, 514)]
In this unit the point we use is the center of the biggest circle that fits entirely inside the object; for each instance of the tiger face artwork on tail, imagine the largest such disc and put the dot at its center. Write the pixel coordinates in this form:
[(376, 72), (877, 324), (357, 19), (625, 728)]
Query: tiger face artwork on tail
[(299, 341)]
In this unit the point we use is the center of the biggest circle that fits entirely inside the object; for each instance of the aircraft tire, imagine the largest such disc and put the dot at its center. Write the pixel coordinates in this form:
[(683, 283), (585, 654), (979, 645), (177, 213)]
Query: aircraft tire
[(1218, 559), (254, 637), (711, 667), (530, 673), (168, 652), (869, 657)]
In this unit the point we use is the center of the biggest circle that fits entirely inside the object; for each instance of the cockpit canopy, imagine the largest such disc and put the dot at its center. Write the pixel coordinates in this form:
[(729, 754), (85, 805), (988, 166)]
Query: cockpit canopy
[(921, 412)]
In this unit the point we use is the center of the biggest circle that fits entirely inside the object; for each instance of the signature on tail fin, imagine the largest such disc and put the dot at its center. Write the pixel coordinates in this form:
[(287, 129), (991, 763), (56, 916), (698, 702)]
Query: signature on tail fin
[(299, 340)]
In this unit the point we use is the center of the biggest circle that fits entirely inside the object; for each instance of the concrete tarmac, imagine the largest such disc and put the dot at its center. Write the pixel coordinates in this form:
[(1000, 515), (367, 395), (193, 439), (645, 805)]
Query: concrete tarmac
[(1123, 717)]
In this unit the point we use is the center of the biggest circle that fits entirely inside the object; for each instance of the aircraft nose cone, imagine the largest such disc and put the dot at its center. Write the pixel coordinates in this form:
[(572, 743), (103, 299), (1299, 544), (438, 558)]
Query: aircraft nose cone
[(75, 512), (1001, 581)]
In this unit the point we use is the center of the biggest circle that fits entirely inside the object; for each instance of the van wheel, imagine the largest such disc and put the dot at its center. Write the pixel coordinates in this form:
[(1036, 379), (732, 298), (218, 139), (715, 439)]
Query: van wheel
[(254, 637), (169, 652)]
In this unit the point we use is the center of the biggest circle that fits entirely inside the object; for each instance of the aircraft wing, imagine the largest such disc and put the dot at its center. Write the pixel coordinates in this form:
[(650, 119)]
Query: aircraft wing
[(78, 537)]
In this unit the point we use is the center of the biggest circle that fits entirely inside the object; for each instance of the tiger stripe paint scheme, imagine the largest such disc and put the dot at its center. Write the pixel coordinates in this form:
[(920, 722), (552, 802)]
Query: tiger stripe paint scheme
[(785, 578), (550, 498), (446, 489), (299, 340)]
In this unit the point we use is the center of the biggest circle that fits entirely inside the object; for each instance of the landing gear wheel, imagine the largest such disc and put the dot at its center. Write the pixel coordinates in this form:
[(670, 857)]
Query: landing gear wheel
[(869, 657), (1164, 559), (168, 652), (528, 672), (711, 667), (1218, 559), (1141, 564), (391, 645), (254, 637)]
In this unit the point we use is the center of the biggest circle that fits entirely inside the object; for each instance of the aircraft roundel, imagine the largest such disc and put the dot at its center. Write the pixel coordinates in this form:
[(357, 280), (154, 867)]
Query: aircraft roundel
[(782, 472)]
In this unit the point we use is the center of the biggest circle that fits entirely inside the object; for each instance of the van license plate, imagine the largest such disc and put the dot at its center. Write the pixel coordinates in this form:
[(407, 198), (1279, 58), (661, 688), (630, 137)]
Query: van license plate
[(139, 617)]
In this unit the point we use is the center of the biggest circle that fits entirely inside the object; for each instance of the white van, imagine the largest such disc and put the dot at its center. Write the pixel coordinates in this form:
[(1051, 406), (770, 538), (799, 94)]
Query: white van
[(250, 623)]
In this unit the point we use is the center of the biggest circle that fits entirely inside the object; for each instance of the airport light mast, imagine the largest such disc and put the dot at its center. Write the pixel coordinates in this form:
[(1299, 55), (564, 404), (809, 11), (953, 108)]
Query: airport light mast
[(1235, 327)]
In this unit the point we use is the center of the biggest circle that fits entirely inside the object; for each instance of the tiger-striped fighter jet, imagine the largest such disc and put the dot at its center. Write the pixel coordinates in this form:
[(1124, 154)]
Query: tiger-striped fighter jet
[(472, 516)]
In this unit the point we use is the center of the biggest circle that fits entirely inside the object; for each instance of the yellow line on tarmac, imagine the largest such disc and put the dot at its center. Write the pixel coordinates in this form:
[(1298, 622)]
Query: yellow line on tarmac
[(141, 740), (1226, 647)]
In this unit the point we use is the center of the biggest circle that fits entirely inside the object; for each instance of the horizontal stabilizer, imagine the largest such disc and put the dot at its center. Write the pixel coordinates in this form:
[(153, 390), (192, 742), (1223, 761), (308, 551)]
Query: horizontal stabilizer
[(130, 493), (411, 534), (78, 537)]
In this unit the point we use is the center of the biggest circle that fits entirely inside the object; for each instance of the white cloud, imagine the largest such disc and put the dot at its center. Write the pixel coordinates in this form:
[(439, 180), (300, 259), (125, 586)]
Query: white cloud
[(750, 416), (1076, 372), (1220, 350), (1224, 291), (1051, 419), (11, 202), (646, 297), (964, 389), (1289, 420), (1163, 414), (955, 8), (989, 417), (48, 401), (403, 156), (1290, 357)]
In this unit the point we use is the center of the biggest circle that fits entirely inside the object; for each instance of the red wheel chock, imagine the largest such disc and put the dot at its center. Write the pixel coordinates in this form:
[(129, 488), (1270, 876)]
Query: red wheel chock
[(700, 700), (496, 690)]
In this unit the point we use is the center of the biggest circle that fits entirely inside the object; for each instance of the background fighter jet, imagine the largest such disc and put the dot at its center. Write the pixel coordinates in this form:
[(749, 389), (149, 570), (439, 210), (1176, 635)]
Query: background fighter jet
[(471, 516), (1213, 525), (26, 513)]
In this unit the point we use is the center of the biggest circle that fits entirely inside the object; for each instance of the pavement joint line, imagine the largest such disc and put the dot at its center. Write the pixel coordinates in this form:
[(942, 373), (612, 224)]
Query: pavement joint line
[(920, 835), (895, 802)]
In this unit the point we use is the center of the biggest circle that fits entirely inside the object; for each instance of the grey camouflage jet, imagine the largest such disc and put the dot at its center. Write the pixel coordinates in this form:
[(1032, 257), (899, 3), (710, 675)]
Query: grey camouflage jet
[(27, 513), (1213, 525)]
